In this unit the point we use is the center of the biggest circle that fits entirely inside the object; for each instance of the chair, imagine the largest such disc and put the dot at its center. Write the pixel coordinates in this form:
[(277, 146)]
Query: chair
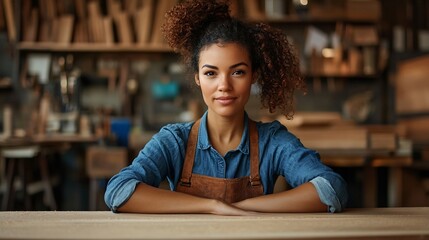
[(103, 163), (17, 160)]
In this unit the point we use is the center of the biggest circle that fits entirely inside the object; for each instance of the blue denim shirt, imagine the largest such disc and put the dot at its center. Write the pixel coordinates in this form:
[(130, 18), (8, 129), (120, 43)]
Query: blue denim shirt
[(280, 153)]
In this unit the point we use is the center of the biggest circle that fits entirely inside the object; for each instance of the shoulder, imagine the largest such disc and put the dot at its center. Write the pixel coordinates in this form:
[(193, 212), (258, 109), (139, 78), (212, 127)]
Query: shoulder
[(174, 132), (170, 140), (275, 131)]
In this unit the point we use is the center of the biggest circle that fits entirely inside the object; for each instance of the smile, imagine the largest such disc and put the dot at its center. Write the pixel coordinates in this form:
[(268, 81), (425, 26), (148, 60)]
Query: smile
[(225, 100)]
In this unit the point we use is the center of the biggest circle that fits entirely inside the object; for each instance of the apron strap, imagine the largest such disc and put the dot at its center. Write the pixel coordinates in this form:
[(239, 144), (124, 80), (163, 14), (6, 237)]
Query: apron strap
[(188, 164), (255, 179), (190, 155)]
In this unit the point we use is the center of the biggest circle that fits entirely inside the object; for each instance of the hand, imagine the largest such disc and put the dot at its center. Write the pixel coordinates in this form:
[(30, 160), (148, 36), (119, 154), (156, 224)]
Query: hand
[(221, 208)]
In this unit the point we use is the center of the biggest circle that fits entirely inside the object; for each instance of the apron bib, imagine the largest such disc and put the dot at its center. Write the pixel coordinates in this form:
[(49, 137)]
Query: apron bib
[(223, 189)]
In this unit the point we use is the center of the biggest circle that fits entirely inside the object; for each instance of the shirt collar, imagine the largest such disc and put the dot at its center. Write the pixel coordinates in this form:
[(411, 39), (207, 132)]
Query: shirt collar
[(203, 137)]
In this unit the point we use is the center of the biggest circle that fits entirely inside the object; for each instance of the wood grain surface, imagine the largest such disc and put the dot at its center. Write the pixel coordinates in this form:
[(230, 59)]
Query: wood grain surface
[(377, 223)]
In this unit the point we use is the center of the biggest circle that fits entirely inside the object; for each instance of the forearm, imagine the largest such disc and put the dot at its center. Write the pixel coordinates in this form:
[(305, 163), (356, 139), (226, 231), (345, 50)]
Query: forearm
[(148, 199), (301, 199)]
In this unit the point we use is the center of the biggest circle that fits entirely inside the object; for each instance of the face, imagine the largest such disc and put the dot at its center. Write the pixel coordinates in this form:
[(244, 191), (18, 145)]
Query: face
[(225, 77)]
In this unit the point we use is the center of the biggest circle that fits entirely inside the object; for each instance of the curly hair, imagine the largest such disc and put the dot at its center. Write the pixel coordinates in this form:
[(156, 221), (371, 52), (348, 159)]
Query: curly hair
[(192, 25)]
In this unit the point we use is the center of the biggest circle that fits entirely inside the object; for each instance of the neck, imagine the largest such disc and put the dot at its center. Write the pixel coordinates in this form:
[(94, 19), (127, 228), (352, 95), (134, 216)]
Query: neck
[(225, 130)]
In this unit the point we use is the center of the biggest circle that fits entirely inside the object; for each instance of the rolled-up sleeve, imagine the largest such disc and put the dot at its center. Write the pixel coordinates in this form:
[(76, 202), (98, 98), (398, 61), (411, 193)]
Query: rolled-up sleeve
[(334, 199), (118, 195)]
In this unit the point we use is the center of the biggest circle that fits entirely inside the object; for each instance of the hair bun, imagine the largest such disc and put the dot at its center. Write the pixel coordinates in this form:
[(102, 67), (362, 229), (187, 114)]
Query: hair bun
[(186, 20)]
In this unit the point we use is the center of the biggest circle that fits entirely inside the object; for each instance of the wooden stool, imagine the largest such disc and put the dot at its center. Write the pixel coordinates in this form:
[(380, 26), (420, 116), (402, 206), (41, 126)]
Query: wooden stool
[(103, 163), (16, 161)]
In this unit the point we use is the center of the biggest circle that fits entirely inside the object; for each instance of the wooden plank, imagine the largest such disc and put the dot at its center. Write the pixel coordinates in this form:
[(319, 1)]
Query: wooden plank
[(92, 47), (312, 119), (25, 13), (113, 7), (44, 30), (55, 29), (31, 27), (234, 8), (333, 138), (131, 6), (412, 86), (95, 22), (143, 22), (373, 223), (10, 20), (123, 28), (162, 7), (2, 18), (81, 32), (80, 9), (66, 28), (51, 8), (108, 30), (253, 11), (93, 8)]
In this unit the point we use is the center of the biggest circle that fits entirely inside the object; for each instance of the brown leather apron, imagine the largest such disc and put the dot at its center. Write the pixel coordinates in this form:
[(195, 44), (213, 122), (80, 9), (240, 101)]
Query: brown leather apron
[(224, 189)]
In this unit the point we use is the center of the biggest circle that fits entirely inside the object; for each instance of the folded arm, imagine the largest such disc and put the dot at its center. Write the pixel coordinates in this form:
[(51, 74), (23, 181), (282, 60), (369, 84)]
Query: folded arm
[(148, 199), (300, 199)]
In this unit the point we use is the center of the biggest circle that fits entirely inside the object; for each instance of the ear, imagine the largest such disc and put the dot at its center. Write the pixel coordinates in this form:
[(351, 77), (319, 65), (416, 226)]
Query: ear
[(197, 80)]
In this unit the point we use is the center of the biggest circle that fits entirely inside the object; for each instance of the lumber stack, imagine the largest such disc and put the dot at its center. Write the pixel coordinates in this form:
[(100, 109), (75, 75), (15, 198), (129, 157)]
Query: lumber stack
[(94, 21), (328, 131)]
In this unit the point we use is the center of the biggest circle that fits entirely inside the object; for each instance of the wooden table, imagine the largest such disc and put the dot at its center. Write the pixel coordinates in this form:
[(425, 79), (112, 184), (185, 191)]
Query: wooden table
[(369, 161), (46, 144), (46, 140), (375, 223)]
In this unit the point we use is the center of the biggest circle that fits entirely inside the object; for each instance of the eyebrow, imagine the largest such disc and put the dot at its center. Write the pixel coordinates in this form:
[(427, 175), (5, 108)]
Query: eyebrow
[(233, 66)]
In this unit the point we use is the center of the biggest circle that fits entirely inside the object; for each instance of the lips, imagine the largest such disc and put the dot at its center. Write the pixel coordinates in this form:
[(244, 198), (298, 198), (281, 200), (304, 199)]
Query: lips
[(225, 100)]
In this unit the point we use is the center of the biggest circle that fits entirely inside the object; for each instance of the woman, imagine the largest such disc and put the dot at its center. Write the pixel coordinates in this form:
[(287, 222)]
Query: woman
[(225, 163)]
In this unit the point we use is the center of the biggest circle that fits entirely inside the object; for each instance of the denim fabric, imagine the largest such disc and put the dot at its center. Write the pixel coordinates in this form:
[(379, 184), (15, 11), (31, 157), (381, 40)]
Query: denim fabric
[(280, 153)]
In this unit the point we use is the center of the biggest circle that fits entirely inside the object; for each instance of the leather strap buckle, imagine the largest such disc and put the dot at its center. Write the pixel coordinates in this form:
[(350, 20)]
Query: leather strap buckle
[(255, 181), (185, 184)]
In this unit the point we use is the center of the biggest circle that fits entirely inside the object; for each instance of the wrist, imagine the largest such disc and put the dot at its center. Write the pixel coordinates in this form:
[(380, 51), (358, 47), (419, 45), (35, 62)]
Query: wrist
[(212, 206), (241, 204)]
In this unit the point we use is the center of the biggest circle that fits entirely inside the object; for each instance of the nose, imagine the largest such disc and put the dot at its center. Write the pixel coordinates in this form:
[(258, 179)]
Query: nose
[(224, 83)]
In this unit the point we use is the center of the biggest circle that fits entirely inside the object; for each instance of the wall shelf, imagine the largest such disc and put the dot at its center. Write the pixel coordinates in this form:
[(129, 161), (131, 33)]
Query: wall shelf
[(348, 76), (92, 47), (306, 20)]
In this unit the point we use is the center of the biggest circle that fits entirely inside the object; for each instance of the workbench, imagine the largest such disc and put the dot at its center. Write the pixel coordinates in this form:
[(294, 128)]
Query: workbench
[(366, 223)]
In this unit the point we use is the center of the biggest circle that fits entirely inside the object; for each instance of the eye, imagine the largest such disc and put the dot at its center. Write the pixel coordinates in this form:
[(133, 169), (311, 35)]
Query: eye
[(238, 72), (209, 73)]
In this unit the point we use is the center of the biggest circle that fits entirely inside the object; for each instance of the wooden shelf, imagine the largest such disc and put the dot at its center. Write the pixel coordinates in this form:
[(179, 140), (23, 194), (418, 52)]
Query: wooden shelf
[(354, 76), (310, 20), (92, 47)]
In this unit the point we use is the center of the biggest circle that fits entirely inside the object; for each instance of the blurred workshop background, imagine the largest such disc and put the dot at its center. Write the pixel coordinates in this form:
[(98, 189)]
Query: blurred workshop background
[(84, 84)]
